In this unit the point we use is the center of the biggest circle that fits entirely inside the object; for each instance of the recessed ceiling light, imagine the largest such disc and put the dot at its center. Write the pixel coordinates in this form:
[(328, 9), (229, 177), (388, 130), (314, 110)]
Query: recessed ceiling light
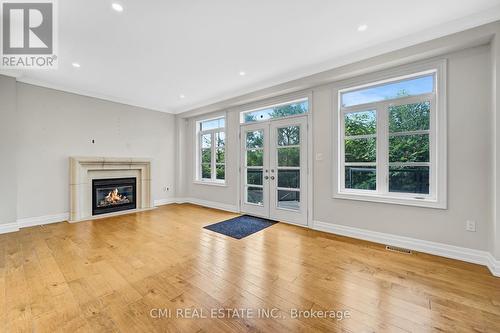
[(362, 27), (181, 96), (242, 73), (76, 65), (116, 6)]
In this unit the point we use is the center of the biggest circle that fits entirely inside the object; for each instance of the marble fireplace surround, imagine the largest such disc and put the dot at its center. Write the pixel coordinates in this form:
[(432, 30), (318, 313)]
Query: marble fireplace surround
[(84, 169)]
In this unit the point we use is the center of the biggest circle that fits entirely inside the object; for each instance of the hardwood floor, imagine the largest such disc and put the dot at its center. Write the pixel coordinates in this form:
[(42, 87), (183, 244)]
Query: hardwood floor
[(113, 275)]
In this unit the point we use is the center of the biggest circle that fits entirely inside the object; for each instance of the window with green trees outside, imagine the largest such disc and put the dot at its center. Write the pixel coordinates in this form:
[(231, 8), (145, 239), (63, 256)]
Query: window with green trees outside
[(288, 109), (387, 138), (211, 150)]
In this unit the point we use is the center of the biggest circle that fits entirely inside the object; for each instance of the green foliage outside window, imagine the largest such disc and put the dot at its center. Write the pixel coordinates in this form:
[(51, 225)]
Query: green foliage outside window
[(360, 123), (277, 112), (409, 117), (403, 148), (206, 171), (255, 158)]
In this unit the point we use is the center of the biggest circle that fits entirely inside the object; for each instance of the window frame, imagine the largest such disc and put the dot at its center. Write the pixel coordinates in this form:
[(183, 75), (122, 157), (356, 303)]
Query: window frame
[(437, 137), (213, 152)]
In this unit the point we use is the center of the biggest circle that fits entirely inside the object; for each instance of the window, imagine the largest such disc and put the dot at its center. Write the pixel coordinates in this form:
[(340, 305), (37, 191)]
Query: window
[(211, 158), (282, 110), (392, 141)]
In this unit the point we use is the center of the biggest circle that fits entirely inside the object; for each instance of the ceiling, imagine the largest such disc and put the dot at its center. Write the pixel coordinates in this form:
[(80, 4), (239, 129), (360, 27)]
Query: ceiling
[(157, 50)]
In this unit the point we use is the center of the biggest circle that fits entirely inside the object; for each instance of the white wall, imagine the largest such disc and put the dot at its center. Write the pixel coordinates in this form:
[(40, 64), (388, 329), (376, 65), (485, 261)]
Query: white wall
[(54, 125), (470, 163), (8, 144)]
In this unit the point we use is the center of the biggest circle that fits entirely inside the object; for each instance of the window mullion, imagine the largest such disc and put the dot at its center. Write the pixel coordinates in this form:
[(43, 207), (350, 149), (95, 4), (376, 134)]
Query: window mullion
[(200, 156), (382, 148), (213, 153), (341, 148), (433, 149)]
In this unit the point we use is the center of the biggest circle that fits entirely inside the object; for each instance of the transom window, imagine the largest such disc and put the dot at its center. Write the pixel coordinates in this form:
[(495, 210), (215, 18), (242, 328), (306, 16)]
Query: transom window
[(288, 109), (211, 157), (388, 142)]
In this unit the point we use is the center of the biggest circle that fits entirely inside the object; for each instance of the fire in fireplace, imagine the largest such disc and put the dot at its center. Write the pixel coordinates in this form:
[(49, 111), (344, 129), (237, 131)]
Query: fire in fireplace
[(113, 195)]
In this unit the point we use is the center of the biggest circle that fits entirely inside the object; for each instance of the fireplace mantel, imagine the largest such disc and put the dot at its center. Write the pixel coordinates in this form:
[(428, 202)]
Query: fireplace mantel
[(84, 169)]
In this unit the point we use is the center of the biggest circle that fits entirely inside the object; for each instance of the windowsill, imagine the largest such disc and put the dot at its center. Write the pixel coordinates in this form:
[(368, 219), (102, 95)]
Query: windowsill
[(210, 183), (406, 201)]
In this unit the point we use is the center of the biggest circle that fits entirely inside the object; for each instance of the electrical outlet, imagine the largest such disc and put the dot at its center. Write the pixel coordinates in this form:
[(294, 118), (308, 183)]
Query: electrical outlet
[(470, 225)]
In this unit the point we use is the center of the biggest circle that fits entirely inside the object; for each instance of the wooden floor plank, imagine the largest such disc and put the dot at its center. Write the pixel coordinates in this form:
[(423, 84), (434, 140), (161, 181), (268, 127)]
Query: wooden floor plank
[(109, 275)]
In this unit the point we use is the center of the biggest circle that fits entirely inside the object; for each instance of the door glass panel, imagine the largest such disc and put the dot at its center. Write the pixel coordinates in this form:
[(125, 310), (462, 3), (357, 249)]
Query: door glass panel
[(289, 178), (289, 136), (289, 157), (255, 139), (255, 195), (277, 159), (255, 158), (289, 199), (254, 176)]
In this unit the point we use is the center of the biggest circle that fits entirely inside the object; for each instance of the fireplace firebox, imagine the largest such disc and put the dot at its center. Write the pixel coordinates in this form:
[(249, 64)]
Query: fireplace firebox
[(113, 195)]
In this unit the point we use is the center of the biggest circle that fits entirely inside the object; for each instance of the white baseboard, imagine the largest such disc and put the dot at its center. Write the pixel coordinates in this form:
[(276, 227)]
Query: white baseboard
[(41, 220), (32, 222), (8, 227), (494, 265), (161, 202), (209, 204), (444, 250)]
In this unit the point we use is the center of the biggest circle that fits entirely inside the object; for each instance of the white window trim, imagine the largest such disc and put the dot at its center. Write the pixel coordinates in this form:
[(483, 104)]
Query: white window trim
[(438, 137), (213, 181)]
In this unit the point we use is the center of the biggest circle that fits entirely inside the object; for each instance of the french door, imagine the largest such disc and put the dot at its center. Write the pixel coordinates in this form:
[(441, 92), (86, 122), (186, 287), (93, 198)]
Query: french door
[(274, 169)]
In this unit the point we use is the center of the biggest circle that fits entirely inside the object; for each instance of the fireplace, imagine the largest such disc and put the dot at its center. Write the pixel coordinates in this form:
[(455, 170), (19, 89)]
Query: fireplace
[(113, 195)]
